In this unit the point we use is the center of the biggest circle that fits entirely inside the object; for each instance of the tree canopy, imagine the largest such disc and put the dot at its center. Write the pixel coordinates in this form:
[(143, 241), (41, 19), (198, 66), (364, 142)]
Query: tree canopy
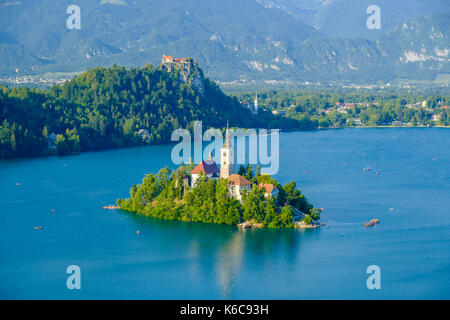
[(116, 107)]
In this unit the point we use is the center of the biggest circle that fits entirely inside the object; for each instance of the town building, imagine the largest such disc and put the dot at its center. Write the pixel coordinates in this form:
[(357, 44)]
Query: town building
[(255, 104), (436, 117), (279, 112), (414, 105), (343, 109), (253, 108)]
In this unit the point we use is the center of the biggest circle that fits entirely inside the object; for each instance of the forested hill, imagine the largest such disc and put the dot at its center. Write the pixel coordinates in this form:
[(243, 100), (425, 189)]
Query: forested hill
[(112, 107)]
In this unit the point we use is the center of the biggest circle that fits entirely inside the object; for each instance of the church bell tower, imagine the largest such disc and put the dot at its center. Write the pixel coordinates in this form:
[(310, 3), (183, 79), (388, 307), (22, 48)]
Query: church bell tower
[(226, 157)]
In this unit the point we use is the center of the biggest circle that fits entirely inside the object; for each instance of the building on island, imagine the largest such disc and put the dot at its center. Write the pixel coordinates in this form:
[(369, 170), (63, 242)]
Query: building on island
[(226, 157), (237, 183), (208, 168), (237, 186), (270, 190)]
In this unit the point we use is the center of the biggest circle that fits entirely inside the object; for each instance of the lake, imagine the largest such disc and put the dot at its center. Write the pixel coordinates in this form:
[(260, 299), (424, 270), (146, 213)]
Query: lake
[(179, 260)]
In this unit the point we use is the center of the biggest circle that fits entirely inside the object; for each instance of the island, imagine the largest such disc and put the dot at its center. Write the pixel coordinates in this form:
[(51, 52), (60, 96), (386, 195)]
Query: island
[(205, 193), (116, 107)]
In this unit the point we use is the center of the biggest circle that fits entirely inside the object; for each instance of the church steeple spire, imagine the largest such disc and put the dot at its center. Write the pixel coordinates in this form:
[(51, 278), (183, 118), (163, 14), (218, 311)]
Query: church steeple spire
[(226, 156), (227, 138)]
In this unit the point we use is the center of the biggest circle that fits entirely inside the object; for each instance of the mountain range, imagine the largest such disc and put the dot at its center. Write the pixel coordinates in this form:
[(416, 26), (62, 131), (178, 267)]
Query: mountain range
[(298, 40)]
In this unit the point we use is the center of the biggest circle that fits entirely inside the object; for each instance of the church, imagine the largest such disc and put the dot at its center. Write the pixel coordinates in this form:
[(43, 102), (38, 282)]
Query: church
[(209, 168), (253, 108)]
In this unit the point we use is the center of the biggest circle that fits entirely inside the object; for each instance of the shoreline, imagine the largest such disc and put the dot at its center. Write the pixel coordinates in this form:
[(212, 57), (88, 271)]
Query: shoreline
[(384, 126), (50, 154)]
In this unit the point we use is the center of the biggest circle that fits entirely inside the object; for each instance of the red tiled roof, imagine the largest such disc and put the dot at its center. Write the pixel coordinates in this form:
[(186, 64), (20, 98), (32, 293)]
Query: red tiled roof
[(268, 186), (206, 167), (238, 180), (167, 57)]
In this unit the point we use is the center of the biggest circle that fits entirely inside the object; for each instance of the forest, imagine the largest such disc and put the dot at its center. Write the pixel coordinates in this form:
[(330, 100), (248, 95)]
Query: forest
[(117, 107)]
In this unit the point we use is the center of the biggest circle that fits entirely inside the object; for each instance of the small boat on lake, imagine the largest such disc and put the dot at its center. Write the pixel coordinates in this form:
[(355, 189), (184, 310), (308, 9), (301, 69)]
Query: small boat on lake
[(371, 223)]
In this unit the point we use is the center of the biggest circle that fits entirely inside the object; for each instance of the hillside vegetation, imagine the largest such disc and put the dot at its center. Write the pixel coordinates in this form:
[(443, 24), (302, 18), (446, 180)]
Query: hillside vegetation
[(108, 108), (164, 196)]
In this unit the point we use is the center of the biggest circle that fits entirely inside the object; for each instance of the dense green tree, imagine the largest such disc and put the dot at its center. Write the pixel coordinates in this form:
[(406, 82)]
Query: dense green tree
[(241, 171), (286, 217), (254, 204), (112, 107), (307, 219), (272, 218), (295, 198)]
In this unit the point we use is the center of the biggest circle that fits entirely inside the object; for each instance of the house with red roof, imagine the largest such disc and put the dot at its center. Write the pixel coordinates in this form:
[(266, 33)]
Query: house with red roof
[(170, 59), (167, 59), (269, 188), (237, 185), (207, 168)]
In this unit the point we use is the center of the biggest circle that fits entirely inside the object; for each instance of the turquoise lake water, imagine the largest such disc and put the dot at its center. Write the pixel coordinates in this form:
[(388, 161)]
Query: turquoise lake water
[(177, 260)]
